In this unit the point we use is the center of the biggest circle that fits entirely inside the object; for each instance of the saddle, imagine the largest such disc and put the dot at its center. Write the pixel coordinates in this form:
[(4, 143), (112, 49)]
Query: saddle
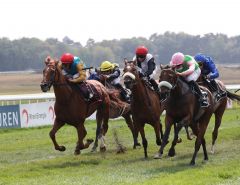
[(214, 86), (87, 91)]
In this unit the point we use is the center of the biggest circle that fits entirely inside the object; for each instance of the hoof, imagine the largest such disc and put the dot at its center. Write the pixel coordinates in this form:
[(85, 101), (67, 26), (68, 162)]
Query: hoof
[(158, 142), (121, 149), (212, 150), (205, 161), (158, 156), (89, 141), (77, 152), (179, 140), (94, 149), (171, 152), (61, 148), (192, 163), (136, 145), (103, 149)]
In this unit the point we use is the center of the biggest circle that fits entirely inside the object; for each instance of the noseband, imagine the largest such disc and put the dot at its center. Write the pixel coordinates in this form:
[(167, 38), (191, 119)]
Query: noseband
[(54, 73)]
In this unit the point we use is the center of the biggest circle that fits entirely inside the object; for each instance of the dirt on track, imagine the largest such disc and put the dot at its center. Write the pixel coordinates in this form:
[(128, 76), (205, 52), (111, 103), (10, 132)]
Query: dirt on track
[(20, 83)]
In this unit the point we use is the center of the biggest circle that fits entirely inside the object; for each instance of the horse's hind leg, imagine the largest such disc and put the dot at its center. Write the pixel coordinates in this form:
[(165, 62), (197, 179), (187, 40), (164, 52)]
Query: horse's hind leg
[(130, 124), (105, 118), (99, 119), (56, 126), (81, 135), (200, 136), (218, 119)]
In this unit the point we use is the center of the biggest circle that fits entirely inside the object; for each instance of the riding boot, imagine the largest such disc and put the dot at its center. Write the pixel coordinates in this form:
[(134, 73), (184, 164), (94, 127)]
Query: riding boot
[(220, 93), (123, 92), (155, 85), (202, 96)]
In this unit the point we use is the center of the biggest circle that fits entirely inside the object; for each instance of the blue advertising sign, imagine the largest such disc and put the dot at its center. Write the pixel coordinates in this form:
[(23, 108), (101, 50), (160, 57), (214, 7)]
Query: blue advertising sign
[(10, 116)]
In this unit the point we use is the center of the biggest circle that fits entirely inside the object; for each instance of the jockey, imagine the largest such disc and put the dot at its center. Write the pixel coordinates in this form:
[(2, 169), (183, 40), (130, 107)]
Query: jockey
[(112, 72), (187, 67), (73, 69), (93, 75), (146, 65), (209, 70)]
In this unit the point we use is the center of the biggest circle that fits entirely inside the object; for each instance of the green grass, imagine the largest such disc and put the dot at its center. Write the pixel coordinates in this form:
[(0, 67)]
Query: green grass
[(27, 156)]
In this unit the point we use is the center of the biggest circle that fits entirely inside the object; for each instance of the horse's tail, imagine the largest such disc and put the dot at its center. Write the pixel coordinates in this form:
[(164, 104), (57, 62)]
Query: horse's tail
[(233, 96)]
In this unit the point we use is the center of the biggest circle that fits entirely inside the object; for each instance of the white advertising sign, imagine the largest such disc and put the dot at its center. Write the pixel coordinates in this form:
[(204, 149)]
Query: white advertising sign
[(37, 114)]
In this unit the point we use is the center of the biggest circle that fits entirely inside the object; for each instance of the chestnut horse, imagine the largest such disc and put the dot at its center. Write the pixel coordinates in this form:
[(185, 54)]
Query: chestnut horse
[(70, 106), (145, 104), (183, 109), (219, 106), (118, 107)]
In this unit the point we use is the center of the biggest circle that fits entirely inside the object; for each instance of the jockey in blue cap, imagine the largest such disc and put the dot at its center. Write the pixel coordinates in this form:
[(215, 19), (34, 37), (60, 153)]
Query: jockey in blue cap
[(210, 71)]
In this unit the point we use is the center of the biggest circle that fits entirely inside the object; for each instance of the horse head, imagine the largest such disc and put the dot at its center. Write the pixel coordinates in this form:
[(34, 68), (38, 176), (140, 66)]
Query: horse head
[(167, 81), (49, 74), (130, 73)]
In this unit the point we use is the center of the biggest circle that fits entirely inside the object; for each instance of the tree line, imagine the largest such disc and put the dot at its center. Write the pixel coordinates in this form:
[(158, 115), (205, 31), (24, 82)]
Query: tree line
[(29, 53)]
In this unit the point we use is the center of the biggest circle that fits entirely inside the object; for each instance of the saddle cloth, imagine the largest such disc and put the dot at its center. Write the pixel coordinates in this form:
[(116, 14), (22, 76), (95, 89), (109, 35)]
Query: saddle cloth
[(88, 91)]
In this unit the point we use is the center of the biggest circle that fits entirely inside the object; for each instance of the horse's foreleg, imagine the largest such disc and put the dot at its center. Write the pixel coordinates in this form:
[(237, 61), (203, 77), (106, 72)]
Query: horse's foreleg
[(144, 140), (56, 126), (130, 124), (168, 125), (161, 131), (171, 151), (204, 149), (156, 127)]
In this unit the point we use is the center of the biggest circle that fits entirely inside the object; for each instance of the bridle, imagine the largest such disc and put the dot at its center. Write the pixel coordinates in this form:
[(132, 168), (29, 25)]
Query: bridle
[(54, 77), (168, 85), (130, 74)]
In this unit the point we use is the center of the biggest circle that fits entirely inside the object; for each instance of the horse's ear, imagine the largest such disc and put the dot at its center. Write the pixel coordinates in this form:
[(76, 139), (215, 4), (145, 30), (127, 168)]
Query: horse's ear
[(125, 61), (135, 62), (161, 66), (47, 60)]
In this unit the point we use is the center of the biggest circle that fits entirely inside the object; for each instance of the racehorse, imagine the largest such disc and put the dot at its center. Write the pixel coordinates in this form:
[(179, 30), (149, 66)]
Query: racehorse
[(118, 107), (145, 104), (183, 109), (70, 106), (219, 106)]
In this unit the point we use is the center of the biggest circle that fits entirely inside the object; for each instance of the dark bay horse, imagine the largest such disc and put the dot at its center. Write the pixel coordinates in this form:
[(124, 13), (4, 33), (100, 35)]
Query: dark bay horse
[(118, 108), (70, 106), (219, 106), (183, 109), (145, 104)]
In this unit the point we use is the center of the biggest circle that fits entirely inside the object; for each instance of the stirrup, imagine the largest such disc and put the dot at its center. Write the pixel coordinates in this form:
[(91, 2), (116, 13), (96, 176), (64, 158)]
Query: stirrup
[(219, 96), (204, 103), (90, 95)]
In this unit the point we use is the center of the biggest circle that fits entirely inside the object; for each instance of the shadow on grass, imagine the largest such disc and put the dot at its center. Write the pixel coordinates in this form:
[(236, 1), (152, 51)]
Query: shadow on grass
[(72, 164)]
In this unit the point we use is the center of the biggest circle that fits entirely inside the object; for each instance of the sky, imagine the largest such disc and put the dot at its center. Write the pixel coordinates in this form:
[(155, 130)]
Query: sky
[(116, 19)]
